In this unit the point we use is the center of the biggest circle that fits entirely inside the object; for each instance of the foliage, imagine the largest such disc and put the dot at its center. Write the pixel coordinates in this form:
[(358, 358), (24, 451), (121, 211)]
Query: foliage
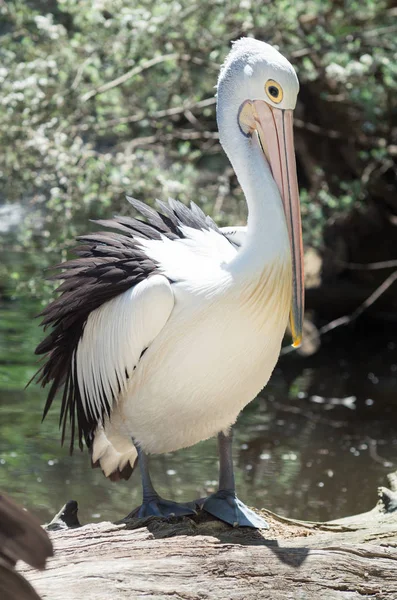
[(104, 98)]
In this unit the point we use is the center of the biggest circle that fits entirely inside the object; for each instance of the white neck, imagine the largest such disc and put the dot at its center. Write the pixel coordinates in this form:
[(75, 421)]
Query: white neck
[(267, 236)]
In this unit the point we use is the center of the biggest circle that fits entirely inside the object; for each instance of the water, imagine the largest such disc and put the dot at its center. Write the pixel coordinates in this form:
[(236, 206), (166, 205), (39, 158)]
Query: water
[(315, 445)]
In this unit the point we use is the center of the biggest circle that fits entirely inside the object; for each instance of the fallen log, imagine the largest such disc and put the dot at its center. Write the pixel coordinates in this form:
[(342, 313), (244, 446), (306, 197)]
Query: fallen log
[(351, 558)]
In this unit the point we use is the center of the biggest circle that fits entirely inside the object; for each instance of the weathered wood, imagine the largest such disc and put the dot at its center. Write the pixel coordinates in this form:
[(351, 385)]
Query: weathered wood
[(350, 559)]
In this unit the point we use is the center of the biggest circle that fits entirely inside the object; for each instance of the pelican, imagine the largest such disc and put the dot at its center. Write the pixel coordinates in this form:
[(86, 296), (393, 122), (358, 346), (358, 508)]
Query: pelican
[(166, 326)]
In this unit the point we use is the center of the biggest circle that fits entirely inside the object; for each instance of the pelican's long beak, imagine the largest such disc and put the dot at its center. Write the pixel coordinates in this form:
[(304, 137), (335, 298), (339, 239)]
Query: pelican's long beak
[(275, 130)]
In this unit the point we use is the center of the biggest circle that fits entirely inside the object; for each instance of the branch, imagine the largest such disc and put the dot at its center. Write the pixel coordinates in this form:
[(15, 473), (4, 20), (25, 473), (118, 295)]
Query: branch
[(384, 264), (159, 114), (79, 73), (379, 30), (345, 320), (132, 73), (181, 134), (330, 133), (187, 134), (374, 296)]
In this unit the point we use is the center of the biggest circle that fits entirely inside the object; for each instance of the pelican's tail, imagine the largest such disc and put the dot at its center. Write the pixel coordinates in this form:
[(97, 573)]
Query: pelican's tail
[(113, 451)]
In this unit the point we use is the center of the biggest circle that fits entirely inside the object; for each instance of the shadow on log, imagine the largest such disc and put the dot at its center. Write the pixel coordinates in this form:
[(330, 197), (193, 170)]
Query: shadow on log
[(351, 558)]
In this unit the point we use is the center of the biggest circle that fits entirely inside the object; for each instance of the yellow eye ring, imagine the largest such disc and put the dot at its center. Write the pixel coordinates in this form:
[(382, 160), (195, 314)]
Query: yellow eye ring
[(274, 91)]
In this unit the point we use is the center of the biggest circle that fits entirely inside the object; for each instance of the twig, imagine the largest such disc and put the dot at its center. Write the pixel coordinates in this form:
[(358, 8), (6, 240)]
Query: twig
[(186, 134), (345, 320), (181, 134), (367, 172), (374, 296), (192, 119), (330, 133), (309, 415), (379, 30), (79, 73), (143, 141), (132, 73), (301, 52), (159, 114), (223, 190), (384, 264), (373, 452)]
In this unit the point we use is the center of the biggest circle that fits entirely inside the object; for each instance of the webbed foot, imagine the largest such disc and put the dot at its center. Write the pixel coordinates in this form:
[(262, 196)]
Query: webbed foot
[(227, 507)]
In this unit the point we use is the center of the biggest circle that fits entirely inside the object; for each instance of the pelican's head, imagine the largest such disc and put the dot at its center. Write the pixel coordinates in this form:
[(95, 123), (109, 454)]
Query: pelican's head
[(257, 92)]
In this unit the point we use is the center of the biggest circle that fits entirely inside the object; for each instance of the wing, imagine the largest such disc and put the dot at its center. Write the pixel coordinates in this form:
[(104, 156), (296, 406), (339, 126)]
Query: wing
[(115, 337), (113, 302), (109, 265)]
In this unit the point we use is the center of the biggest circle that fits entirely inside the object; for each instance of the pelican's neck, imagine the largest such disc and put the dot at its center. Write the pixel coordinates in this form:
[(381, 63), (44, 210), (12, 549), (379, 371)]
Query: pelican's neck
[(267, 236)]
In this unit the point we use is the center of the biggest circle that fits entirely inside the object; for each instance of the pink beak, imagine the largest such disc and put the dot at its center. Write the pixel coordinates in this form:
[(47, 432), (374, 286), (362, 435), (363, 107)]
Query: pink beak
[(275, 130)]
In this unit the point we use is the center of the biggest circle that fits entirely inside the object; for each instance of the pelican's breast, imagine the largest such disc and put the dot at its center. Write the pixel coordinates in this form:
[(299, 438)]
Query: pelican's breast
[(215, 354)]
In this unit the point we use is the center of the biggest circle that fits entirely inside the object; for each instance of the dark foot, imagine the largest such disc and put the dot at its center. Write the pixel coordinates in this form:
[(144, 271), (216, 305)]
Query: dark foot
[(227, 507), (158, 507)]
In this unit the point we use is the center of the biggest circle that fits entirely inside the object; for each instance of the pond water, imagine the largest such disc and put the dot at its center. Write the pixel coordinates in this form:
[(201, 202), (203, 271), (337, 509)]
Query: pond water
[(315, 445)]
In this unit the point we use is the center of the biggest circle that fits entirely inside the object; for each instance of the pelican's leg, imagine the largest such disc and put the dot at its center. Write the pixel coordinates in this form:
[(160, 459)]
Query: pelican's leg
[(152, 503), (224, 504)]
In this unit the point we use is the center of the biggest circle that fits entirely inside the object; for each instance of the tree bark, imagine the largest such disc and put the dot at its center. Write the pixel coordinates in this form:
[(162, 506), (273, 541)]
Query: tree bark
[(352, 558)]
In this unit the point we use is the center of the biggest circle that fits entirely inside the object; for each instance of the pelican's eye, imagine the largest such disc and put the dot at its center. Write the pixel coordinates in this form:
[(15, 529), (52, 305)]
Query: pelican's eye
[(274, 91)]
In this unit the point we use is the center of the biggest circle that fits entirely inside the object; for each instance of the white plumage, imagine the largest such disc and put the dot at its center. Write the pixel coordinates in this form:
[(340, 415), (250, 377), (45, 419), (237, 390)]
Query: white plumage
[(212, 339)]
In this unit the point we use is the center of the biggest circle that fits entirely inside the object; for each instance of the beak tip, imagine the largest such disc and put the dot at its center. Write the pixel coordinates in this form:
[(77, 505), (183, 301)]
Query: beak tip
[(297, 341)]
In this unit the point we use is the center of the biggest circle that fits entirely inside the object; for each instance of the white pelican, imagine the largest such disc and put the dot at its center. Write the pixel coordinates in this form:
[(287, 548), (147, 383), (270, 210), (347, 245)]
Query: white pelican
[(168, 327)]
